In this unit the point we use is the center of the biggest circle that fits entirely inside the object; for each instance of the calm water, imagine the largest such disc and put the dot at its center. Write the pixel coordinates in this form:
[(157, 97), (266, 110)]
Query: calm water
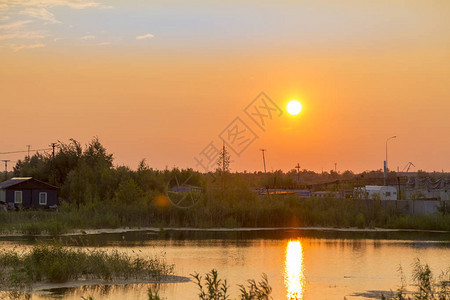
[(308, 264)]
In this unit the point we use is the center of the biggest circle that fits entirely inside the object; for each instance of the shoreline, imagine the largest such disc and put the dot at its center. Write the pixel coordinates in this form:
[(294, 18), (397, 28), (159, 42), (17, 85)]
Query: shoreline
[(81, 232), (44, 287)]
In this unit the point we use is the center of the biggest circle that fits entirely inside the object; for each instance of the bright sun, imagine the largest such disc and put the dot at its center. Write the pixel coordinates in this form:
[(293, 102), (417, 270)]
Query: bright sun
[(294, 107)]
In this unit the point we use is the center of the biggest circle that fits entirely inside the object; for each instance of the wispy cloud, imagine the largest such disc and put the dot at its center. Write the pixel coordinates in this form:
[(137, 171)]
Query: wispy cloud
[(145, 36), (23, 35), (75, 4), (40, 13), (104, 43), (16, 31), (87, 37), (16, 47), (14, 25)]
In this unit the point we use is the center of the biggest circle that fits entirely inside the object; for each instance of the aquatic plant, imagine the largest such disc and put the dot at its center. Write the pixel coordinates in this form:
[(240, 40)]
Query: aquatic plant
[(428, 286), (57, 264), (214, 288), (260, 290)]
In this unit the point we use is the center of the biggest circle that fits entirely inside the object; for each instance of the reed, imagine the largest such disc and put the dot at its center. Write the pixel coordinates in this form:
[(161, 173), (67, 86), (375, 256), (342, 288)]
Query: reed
[(56, 264)]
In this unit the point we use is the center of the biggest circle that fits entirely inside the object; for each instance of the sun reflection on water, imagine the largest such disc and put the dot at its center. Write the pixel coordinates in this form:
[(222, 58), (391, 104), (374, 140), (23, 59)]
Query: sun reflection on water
[(293, 273)]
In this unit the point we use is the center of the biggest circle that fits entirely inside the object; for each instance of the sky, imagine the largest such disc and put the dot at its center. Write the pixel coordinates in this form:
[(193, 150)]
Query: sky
[(172, 81)]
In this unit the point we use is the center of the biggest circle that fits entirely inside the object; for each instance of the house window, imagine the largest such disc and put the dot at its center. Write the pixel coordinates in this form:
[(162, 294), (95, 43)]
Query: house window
[(42, 198), (18, 197), (388, 194)]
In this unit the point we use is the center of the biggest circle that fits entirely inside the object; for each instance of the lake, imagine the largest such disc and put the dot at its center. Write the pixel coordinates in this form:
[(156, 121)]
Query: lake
[(309, 264)]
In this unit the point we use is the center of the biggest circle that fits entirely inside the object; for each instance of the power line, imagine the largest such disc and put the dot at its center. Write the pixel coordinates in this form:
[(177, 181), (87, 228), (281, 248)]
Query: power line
[(24, 151)]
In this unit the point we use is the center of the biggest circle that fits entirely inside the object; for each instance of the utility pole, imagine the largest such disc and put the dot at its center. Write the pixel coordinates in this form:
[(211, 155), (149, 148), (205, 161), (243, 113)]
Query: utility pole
[(6, 168), (265, 172), (386, 170), (28, 146), (335, 168), (298, 173), (223, 168), (53, 147)]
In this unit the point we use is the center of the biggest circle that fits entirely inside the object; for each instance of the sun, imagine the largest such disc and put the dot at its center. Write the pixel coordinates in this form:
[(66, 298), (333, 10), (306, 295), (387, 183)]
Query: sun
[(294, 107)]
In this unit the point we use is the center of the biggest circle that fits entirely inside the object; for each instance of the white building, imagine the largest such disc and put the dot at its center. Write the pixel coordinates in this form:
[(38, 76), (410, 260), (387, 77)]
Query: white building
[(376, 192)]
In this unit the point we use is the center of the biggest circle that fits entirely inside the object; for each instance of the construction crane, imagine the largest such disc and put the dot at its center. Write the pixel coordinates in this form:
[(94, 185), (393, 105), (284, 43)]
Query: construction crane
[(408, 165)]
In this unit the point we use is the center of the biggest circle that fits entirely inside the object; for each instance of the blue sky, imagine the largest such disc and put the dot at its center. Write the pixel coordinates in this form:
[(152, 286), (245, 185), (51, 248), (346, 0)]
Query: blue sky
[(220, 24)]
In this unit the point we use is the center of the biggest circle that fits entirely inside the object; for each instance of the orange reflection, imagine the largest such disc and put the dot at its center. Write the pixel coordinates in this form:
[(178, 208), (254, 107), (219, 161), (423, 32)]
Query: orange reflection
[(294, 278)]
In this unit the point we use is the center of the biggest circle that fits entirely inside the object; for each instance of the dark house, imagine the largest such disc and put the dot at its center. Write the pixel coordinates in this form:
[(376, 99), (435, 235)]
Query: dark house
[(28, 192)]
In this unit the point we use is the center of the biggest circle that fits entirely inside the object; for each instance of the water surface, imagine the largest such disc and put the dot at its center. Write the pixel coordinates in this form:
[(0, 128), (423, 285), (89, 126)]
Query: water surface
[(298, 263)]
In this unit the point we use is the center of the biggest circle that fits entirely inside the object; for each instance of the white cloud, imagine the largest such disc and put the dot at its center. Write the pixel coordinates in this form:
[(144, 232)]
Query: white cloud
[(4, 18), (104, 43), (87, 37), (145, 36), (40, 13)]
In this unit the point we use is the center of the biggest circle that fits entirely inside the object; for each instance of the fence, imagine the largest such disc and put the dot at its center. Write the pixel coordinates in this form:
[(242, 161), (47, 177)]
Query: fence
[(412, 207)]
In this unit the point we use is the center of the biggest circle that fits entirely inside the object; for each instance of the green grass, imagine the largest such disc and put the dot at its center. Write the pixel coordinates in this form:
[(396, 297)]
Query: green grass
[(56, 264), (239, 208)]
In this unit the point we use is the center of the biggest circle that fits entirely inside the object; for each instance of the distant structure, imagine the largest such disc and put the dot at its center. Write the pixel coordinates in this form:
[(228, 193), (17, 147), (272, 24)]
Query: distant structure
[(376, 192), (28, 192), (427, 188)]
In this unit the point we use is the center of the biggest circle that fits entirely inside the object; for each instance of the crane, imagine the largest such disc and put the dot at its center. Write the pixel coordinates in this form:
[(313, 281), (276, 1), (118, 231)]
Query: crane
[(408, 165)]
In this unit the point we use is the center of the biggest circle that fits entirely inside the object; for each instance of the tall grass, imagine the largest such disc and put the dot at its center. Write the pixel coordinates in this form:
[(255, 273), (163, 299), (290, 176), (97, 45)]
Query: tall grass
[(236, 208), (214, 288), (56, 264), (427, 285)]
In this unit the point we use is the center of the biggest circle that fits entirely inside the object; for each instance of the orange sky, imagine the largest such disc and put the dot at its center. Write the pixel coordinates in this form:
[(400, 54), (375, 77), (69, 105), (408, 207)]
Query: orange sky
[(363, 73)]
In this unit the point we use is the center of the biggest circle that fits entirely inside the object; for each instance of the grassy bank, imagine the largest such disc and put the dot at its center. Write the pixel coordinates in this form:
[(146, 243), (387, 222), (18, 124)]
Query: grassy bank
[(56, 265), (236, 209)]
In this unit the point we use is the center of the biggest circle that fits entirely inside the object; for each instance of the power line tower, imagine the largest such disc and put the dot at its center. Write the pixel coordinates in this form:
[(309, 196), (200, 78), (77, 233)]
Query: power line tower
[(6, 167)]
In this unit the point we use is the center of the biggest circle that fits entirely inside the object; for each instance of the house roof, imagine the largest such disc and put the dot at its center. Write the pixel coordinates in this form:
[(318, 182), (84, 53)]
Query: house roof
[(18, 180)]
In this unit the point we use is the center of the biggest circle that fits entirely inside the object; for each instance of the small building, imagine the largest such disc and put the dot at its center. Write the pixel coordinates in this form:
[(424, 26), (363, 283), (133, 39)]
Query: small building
[(28, 193), (377, 192)]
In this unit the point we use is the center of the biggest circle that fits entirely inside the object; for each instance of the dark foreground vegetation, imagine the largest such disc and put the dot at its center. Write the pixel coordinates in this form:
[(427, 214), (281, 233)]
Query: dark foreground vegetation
[(428, 286), (214, 288), (96, 194), (51, 264)]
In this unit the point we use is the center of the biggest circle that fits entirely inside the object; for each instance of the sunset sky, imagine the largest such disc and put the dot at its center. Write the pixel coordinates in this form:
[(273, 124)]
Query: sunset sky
[(162, 80)]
